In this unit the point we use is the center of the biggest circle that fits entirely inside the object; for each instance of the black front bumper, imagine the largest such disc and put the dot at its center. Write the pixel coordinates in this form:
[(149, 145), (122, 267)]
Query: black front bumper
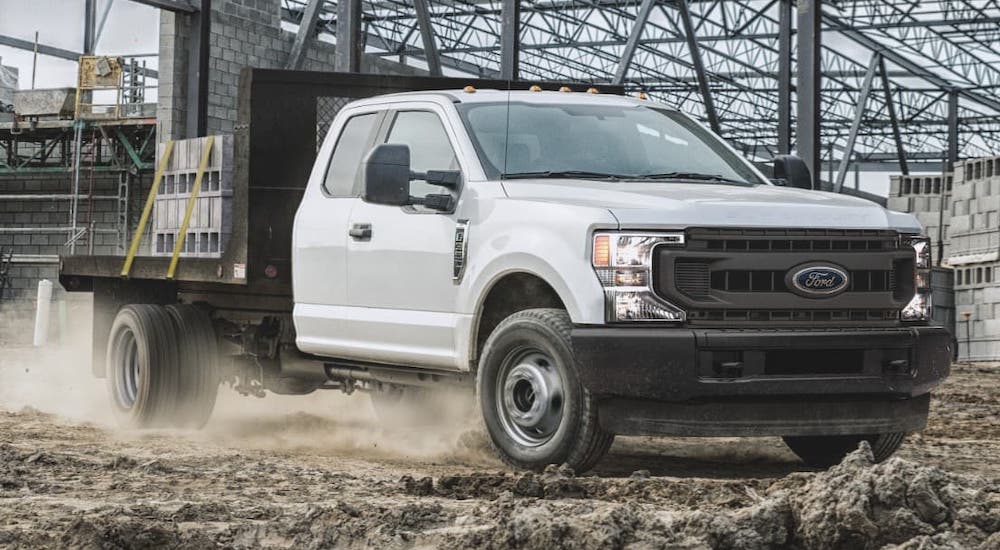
[(761, 382)]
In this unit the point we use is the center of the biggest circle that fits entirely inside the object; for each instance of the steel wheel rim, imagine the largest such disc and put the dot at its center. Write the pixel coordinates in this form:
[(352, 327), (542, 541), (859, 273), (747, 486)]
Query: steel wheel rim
[(530, 397), (127, 374)]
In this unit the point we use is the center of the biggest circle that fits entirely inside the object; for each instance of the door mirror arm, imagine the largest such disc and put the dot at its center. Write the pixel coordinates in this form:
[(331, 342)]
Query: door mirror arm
[(442, 202), (450, 179)]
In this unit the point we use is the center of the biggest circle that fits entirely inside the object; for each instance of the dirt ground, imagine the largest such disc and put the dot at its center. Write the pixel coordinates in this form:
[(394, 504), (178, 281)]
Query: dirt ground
[(319, 471)]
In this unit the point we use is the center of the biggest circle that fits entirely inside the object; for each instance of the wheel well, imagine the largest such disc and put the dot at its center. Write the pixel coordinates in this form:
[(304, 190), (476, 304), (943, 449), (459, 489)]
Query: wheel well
[(512, 293)]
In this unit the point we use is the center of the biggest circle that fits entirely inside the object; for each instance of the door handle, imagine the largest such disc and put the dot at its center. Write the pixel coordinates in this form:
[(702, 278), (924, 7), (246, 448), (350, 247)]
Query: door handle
[(361, 231)]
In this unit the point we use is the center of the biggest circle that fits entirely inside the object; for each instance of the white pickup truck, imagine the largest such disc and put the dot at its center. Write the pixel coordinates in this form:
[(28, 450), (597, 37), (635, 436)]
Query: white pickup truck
[(589, 265)]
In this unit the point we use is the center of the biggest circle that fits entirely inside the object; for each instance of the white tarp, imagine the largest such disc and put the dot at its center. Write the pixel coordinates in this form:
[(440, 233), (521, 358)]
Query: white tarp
[(8, 83)]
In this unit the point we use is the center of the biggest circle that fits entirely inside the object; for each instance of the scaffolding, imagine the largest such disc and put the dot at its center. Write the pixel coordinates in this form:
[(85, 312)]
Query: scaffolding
[(111, 133)]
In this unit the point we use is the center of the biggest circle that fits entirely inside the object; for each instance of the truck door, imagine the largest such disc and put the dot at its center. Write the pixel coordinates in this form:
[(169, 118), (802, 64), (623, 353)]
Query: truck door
[(400, 274), (320, 275)]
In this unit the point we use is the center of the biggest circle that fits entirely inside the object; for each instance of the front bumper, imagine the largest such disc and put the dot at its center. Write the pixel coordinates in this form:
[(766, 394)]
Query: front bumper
[(761, 382)]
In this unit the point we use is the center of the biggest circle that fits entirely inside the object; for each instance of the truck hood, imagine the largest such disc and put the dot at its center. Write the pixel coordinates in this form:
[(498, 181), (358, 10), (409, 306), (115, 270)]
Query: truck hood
[(669, 205)]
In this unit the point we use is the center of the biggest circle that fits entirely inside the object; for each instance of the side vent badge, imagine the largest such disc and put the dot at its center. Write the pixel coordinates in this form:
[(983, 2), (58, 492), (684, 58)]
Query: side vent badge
[(461, 249)]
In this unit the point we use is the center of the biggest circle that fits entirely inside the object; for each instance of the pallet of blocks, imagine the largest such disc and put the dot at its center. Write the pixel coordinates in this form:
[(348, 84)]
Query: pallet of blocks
[(211, 218)]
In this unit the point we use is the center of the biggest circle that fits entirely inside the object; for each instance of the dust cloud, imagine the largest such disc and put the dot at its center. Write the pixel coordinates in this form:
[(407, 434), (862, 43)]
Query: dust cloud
[(57, 379)]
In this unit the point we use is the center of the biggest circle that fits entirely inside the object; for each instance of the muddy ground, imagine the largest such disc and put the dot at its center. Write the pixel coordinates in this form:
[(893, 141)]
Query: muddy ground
[(319, 472)]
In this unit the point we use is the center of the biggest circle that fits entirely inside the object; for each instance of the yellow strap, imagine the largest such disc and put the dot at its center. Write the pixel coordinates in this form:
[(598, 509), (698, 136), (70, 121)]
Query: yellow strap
[(179, 243), (146, 210)]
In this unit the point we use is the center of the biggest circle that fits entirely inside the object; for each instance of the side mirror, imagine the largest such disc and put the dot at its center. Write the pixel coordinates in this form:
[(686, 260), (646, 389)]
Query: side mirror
[(387, 175), (792, 171)]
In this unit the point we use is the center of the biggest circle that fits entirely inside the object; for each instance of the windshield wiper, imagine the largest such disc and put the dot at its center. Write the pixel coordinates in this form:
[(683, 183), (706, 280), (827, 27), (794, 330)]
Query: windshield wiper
[(692, 176), (585, 174)]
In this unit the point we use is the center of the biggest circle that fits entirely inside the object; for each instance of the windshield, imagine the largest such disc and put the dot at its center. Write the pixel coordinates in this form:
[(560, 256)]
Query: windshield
[(598, 141)]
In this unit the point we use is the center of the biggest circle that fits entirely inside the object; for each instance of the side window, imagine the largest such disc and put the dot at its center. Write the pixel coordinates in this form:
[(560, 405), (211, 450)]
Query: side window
[(345, 163), (429, 146)]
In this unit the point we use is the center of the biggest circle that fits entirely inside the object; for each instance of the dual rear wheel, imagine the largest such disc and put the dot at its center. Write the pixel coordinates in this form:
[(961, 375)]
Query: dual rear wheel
[(162, 366)]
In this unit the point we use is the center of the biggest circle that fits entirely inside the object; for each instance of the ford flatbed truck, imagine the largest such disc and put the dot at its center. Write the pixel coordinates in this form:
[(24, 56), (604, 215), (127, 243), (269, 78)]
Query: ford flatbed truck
[(587, 264)]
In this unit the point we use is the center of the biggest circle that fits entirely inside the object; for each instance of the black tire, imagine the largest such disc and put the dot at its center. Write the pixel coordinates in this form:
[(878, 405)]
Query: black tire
[(198, 375), (142, 366), (828, 450), (530, 354)]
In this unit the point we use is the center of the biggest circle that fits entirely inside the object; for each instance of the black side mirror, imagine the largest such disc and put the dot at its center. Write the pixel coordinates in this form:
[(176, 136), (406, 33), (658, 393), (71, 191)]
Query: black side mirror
[(792, 171), (387, 175)]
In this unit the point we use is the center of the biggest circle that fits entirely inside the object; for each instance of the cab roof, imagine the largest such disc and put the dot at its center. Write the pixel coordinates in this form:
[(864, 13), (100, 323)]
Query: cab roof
[(526, 96)]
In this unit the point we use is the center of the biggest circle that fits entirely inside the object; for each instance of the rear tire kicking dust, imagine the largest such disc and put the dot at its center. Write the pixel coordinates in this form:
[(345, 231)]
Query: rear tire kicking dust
[(535, 409), (199, 365), (162, 366), (142, 366)]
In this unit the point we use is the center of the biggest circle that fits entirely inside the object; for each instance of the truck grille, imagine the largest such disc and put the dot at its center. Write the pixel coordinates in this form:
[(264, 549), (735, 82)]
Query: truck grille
[(735, 277)]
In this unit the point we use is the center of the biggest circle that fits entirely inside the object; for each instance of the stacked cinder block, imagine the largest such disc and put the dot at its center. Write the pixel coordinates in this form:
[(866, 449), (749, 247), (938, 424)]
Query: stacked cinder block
[(974, 253), (211, 218), (975, 227), (927, 198)]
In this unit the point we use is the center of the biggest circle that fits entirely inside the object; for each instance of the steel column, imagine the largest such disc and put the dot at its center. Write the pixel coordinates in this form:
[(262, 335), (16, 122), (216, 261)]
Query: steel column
[(196, 124), (808, 87), (699, 67), (784, 77), (427, 36), (89, 26), (893, 120), (952, 157), (859, 112), (633, 40), (510, 39), (307, 28), (347, 58)]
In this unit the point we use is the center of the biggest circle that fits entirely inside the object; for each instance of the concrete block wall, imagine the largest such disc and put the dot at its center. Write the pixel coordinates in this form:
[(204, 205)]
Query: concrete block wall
[(975, 210), (977, 311), (245, 33), (922, 196), (26, 272)]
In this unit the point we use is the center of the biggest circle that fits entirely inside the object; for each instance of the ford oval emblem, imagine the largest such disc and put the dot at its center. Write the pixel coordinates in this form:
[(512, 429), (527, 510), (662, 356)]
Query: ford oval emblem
[(817, 280)]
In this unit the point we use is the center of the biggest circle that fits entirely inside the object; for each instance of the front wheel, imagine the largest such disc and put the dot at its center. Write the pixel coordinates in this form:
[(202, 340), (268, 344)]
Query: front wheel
[(535, 408), (827, 450)]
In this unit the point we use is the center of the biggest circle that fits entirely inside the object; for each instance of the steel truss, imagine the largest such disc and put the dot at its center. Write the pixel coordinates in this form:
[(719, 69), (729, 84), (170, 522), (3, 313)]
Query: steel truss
[(927, 49)]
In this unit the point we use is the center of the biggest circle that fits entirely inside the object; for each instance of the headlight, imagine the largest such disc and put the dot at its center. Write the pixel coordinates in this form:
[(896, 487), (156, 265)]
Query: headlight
[(624, 265), (919, 308)]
